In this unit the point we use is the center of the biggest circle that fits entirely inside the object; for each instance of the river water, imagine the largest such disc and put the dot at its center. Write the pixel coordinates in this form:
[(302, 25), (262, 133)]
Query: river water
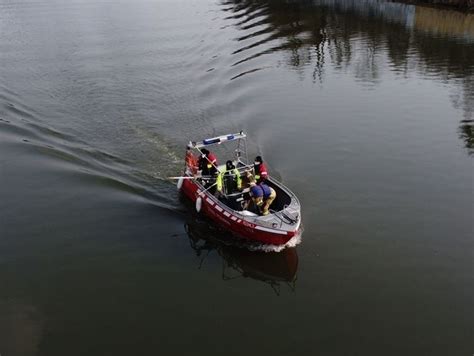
[(363, 108)]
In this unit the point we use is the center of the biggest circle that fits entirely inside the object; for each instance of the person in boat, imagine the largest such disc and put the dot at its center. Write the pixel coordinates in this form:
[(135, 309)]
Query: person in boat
[(191, 161), (229, 179), (261, 173), (208, 167), (207, 163), (262, 196), (269, 195)]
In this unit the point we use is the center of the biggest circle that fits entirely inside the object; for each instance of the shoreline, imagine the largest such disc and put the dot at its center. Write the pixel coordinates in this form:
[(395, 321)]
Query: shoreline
[(466, 6)]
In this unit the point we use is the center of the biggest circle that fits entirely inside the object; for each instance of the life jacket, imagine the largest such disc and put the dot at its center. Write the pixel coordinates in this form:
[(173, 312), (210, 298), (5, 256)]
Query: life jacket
[(226, 174), (208, 164), (212, 160), (260, 172), (191, 161)]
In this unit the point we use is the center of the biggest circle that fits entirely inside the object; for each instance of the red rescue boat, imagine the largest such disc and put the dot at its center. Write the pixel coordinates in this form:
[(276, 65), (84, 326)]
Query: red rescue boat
[(277, 230)]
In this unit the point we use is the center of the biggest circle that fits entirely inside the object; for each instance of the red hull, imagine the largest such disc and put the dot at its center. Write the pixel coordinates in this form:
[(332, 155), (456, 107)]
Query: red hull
[(235, 223)]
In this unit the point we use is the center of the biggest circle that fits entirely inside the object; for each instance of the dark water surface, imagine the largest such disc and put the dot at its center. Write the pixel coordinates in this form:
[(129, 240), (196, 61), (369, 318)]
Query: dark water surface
[(364, 108)]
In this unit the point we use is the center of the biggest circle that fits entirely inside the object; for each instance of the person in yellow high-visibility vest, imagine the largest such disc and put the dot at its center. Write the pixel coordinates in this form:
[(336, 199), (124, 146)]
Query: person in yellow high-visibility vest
[(230, 177)]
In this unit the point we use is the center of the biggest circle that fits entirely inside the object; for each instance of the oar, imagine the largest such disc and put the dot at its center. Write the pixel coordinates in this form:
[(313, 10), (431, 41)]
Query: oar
[(205, 190), (228, 173), (187, 177), (207, 159), (200, 197), (182, 178)]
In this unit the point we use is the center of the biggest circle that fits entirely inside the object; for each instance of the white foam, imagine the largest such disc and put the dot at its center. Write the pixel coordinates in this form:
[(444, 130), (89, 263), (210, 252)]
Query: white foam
[(295, 240)]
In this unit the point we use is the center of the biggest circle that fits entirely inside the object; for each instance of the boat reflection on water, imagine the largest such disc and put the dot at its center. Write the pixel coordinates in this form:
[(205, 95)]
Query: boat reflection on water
[(277, 269)]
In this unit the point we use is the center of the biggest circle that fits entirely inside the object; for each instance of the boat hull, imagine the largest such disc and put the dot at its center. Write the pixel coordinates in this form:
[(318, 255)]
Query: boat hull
[(234, 222)]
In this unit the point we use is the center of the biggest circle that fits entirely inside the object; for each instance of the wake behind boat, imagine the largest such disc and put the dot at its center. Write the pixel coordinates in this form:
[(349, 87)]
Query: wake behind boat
[(227, 206)]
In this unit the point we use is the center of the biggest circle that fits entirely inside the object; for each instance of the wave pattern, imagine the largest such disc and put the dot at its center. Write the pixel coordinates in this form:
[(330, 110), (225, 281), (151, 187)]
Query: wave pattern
[(75, 160)]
